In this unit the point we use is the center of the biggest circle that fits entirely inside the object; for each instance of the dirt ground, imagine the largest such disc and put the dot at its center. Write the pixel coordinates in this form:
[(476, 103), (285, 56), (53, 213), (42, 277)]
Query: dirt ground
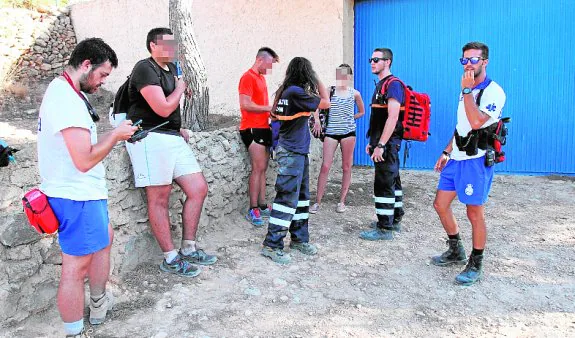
[(355, 288)]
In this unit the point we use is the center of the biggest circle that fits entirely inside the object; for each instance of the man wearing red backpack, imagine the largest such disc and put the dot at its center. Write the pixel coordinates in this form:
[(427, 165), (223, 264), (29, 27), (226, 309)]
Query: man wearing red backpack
[(385, 135), (465, 166)]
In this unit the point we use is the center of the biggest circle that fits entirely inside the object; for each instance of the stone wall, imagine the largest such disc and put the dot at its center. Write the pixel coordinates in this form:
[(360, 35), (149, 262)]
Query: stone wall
[(29, 264), (34, 45)]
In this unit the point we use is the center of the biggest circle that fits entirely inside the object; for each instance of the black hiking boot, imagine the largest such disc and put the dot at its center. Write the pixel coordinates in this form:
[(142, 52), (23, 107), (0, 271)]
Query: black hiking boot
[(472, 272), (454, 255)]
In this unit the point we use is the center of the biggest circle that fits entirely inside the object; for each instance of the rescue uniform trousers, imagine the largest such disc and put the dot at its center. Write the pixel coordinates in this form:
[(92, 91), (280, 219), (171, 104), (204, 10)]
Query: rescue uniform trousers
[(388, 195), (290, 210)]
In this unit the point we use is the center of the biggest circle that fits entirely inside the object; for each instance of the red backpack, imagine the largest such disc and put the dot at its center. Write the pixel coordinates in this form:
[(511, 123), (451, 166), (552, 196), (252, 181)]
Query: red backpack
[(417, 112)]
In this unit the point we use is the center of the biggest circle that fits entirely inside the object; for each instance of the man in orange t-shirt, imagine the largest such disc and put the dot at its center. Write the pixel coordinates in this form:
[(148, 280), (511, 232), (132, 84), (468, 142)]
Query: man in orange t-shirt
[(255, 130)]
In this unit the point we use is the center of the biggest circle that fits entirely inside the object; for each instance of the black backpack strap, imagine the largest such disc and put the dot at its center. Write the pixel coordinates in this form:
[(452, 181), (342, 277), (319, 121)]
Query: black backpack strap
[(478, 98), (156, 68)]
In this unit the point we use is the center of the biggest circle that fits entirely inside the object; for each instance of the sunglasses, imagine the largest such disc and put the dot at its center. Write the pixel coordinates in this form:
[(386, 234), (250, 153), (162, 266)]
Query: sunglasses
[(376, 59), (473, 60)]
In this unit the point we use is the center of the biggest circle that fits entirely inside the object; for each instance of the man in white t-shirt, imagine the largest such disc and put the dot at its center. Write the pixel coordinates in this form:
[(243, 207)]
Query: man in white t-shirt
[(73, 178), (466, 173)]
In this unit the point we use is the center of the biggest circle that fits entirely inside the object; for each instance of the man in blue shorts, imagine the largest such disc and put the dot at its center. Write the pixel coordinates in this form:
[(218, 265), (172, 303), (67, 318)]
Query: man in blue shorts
[(73, 178), (465, 172)]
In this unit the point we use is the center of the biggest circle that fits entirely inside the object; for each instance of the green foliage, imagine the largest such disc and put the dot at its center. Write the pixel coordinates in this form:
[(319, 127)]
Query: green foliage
[(32, 4)]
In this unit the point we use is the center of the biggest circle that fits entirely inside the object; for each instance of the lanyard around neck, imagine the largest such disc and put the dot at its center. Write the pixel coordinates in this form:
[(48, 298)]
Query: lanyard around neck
[(91, 110)]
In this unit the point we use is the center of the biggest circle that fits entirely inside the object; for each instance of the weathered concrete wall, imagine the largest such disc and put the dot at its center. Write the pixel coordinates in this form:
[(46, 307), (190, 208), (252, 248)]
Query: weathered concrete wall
[(228, 34), (29, 265)]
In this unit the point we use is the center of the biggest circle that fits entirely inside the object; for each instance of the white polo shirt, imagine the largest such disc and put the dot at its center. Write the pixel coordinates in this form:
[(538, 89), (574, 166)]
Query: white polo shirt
[(492, 102), (62, 108)]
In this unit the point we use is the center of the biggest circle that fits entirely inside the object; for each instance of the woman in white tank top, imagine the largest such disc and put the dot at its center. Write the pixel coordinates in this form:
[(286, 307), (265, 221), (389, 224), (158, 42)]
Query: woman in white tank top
[(340, 130)]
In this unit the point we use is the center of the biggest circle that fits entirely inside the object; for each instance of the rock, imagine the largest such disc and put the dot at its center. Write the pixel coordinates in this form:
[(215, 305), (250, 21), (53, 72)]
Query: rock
[(15, 230), (20, 270), (252, 291), (279, 283), (284, 298)]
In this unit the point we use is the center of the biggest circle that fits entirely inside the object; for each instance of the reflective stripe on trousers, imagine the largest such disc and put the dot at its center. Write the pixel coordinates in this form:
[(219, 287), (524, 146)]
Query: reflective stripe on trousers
[(290, 210)]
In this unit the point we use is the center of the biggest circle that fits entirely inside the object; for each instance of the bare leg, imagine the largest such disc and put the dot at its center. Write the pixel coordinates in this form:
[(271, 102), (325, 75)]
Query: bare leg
[(476, 215), (196, 189), (70, 297), (158, 197), (442, 205), (347, 147), (259, 157), (99, 269), (329, 147)]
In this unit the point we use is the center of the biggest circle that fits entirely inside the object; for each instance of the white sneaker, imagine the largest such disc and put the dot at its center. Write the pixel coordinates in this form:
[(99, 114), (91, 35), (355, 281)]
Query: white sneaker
[(341, 207), (314, 208), (99, 309)]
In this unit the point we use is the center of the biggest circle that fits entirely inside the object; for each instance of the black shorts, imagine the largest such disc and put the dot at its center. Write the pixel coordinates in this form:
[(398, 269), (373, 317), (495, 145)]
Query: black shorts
[(261, 136), (341, 137)]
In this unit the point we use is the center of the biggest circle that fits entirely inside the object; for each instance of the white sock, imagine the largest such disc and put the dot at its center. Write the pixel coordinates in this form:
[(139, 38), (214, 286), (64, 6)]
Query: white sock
[(74, 328), (170, 256), (188, 247)]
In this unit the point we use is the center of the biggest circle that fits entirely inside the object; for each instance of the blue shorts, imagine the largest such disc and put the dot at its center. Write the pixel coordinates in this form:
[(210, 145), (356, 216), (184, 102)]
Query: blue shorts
[(470, 178), (83, 226)]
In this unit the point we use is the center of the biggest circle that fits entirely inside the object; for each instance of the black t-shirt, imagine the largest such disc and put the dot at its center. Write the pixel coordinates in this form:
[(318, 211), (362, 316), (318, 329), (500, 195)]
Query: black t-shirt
[(147, 73), (379, 115), (294, 107)]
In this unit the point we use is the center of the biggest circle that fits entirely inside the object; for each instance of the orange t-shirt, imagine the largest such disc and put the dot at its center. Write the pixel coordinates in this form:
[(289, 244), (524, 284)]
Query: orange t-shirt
[(254, 85)]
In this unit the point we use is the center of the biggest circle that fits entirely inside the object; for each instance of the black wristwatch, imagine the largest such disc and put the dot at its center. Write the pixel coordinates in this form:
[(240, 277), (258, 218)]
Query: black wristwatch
[(466, 91), (379, 145)]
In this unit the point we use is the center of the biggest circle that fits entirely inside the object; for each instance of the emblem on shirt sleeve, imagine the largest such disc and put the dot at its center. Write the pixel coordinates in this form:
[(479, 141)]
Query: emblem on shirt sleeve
[(491, 107)]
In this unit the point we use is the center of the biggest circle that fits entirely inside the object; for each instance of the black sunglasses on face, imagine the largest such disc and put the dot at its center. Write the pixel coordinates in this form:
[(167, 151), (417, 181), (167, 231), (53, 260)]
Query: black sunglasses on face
[(474, 60), (376, 59)]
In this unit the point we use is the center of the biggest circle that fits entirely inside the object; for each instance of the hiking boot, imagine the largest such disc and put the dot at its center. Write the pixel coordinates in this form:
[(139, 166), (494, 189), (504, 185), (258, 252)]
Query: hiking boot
[(314, 208), (99, 309), (340, 208), (454, 255), (304, 248), (266, 213), (199, 257), (472, 272), (276, 255), (86, 333), (377, 234), (180, 267), (396, 226), (255, 217)]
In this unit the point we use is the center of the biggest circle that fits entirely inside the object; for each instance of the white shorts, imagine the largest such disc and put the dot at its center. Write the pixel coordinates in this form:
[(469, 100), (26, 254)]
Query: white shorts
[(160, 158)]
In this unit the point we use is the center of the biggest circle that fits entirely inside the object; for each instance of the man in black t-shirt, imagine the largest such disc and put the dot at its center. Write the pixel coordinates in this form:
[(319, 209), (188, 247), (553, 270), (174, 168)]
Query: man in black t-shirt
[(164, 155), (385, 135)]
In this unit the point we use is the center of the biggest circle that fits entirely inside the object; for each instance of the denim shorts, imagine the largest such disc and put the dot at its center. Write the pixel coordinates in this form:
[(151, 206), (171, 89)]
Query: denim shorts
[(83, 226), (471, 179)]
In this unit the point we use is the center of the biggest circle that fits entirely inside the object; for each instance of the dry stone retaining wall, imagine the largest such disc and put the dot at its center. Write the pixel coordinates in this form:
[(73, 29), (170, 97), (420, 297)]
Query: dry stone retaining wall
[(29, 265), (34, 45)]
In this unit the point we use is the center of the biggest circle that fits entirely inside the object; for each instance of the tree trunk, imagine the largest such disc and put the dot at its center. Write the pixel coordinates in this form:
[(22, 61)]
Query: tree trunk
[(195, 109)]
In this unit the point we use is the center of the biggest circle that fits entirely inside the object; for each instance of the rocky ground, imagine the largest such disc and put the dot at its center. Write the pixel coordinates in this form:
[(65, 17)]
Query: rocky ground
[(366, 289)]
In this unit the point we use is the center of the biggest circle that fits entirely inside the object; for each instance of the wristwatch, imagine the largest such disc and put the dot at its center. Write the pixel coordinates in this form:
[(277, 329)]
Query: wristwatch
[(380, 145), (466, 90)]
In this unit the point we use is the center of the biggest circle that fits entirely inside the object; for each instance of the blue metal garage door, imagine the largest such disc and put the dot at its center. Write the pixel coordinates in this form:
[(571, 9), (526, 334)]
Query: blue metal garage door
[(530, 57)]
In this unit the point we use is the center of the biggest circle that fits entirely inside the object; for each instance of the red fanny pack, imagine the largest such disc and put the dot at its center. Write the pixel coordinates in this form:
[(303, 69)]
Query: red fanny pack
[(39, 212)]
